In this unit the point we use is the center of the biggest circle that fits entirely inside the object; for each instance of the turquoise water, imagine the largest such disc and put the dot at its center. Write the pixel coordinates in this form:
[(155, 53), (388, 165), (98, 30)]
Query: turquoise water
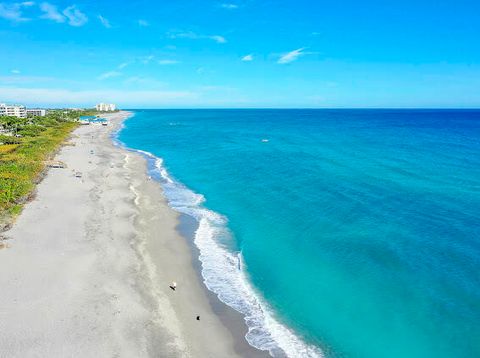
[(337, 232), (93, 119)]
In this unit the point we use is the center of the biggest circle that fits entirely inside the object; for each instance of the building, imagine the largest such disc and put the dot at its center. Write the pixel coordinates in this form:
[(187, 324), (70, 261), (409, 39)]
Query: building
[(13, 110), (34, 112), (105, 107)]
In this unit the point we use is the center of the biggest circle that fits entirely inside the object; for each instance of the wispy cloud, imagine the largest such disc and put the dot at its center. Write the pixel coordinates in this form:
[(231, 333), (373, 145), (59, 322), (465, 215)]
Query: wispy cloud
[(71, 14), (104, 22), (194, 36), (75, 16), (145, 82), (146, 59), (15, 72), (218, 38), (142, 59), (143, 23), (211, 88), (247, 58), (109, 74), (229, 6), (14, 12), (167, 62), (17, 79), (292, 56), (183, 35), (114, 73), (62, 97), (50, 12)]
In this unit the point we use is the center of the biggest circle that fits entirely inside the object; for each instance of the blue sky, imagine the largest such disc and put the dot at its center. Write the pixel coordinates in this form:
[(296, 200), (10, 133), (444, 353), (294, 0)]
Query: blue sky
[(245, 53)]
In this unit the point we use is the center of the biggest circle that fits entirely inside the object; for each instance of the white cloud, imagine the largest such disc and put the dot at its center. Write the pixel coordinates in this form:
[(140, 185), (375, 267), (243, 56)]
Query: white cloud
[(229, 6), (183, 35), (51, 12), (292, 56), (167, 62), (218, 38), (247, 58), (123, 65), (75, 16), (194, 36), (143, 23), (104, 22), (109, 74), (14, 12), (15, 72)]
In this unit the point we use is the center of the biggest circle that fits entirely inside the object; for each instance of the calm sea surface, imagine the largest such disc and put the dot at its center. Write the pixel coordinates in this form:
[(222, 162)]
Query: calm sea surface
[(338, 232)]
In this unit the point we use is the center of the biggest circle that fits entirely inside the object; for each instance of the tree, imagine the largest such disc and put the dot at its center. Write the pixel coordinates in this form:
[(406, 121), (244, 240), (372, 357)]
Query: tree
[(12, 123)]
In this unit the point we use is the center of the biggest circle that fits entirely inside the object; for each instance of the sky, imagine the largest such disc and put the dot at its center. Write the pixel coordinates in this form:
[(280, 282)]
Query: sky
[(241, 53)]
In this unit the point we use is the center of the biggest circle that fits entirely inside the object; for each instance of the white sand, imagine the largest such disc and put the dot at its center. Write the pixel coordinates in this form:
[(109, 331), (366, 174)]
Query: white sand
[(89, 261)]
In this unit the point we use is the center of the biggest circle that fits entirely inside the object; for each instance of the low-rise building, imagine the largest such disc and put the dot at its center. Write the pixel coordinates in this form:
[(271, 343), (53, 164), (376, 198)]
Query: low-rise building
[(35, 112), (13, 110), (105, 107)]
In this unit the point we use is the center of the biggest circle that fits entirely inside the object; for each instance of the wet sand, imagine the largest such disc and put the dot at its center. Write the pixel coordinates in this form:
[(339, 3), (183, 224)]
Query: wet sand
[(90, 260)]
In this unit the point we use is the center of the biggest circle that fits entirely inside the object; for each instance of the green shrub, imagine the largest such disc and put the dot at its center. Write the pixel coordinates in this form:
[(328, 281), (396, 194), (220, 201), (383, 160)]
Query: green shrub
[(6, 139), (31, 130), (20, 168)]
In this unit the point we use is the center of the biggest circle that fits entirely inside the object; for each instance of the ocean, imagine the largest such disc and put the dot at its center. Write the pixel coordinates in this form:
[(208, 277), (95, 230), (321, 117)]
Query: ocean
[(337, 233)]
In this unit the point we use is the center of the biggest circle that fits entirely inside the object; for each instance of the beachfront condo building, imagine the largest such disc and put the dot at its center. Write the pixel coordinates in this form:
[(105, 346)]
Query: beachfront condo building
[(35, 112), (13, 110), (106, 107)]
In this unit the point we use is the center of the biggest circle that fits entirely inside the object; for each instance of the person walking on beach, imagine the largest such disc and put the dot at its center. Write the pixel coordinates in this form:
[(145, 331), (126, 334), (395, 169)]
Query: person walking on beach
[(173, 286)]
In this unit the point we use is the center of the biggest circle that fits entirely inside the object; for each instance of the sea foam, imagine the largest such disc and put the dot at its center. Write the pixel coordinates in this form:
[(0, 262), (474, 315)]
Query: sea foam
[(222, 272)]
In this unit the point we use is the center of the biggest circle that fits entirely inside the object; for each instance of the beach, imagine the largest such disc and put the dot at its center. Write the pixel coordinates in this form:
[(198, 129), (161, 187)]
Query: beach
[(86, 268), (331, 234)]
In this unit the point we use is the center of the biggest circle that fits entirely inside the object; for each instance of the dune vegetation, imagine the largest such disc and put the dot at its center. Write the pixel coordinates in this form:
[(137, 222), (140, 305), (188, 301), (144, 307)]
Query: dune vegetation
[(25, 145)]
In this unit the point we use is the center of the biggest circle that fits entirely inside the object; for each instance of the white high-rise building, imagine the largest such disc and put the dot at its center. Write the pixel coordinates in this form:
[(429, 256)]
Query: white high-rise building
[(13, 110), (105, 107)]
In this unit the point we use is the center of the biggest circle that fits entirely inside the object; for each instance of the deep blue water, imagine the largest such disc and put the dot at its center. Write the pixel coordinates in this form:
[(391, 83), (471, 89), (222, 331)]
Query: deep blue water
[(355, 232)]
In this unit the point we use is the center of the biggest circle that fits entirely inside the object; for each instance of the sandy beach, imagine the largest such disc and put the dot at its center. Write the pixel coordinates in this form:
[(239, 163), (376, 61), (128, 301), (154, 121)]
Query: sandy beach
[(88, 264)]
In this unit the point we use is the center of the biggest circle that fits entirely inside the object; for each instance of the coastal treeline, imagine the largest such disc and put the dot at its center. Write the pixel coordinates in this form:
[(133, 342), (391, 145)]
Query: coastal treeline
[(25, 145)]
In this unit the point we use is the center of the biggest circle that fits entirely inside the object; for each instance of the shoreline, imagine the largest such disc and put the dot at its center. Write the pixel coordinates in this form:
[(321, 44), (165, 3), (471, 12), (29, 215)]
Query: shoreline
[(221, 270), (185, 228), (90, 261)]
